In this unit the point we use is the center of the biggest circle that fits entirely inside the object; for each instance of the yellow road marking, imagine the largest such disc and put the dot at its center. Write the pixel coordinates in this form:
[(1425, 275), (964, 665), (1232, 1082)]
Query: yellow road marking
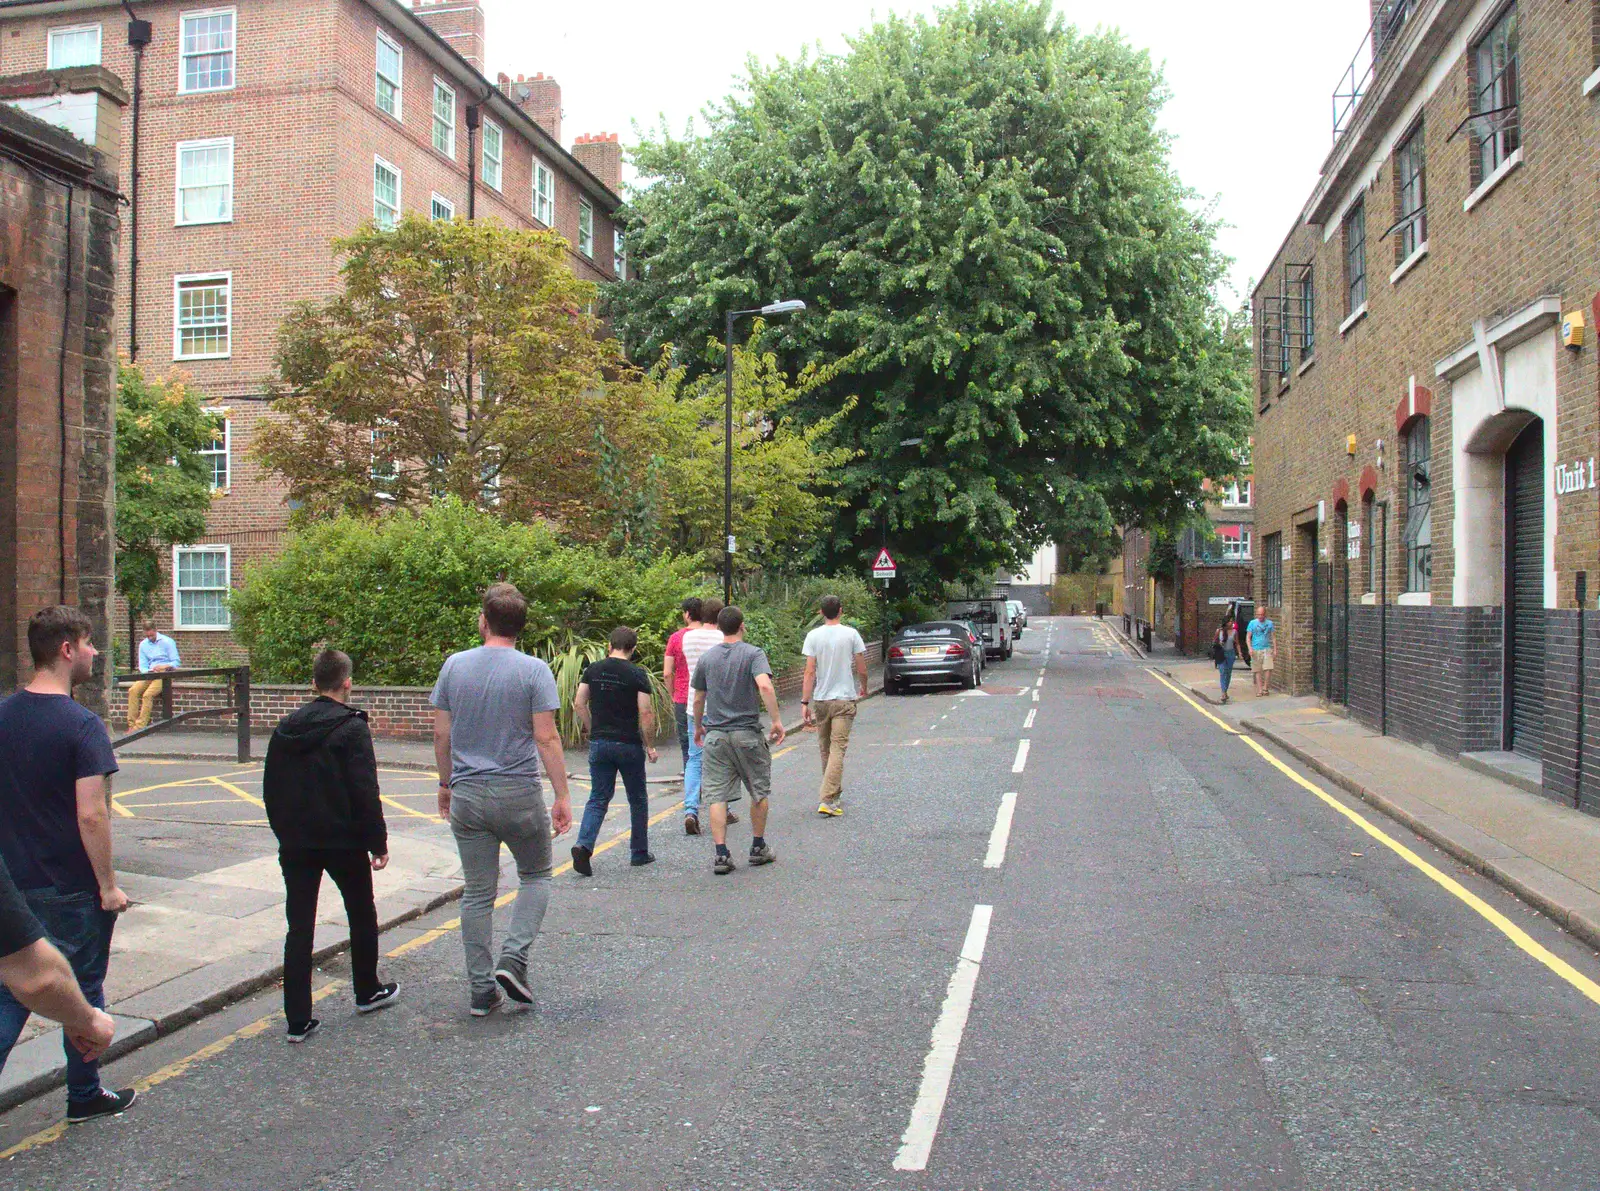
[(1511, 930), (144, 806), (233, 789), (171, 1071), (187, 781), (400, 806)]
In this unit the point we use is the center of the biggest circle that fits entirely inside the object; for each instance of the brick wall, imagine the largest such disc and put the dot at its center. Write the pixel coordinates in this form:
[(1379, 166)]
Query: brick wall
[(1199, 617), (56, 410), (1444, 670), (395, 712)]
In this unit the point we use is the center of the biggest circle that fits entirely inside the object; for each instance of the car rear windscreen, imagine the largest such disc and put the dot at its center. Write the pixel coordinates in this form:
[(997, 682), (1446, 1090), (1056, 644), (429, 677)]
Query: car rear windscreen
[(931, 630)]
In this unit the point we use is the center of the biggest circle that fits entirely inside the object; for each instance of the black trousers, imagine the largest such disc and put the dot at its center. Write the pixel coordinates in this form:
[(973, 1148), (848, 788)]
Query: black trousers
[(351, 871)]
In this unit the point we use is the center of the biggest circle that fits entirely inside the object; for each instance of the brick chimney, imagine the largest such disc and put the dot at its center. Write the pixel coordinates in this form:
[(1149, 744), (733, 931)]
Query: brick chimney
[(458, 22), (601, 155), (539, 96)]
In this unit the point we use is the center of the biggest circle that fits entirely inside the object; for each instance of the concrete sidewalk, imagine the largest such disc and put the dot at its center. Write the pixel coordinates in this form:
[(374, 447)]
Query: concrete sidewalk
[(1545, 853)]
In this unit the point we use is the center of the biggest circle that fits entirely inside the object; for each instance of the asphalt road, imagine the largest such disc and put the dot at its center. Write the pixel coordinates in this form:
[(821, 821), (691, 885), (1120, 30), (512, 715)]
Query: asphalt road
[(1195, 973)]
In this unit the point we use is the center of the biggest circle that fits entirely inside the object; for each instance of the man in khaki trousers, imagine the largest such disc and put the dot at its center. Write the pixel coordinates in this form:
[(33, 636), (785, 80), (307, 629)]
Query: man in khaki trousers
[(836, 679)]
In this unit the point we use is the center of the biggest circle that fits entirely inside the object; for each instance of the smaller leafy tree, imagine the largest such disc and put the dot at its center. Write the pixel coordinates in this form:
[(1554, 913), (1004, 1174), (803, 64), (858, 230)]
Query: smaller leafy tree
[(163, 489), (460, 358)]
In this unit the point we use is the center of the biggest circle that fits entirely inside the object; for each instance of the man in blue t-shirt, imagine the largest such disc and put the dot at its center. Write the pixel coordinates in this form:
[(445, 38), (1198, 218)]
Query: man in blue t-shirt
[(1260, 631), (55, 832)]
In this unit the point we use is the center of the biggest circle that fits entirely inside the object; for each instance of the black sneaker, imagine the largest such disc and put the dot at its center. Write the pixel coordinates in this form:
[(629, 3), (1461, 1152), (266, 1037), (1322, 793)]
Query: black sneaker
[(580, 860), (762, 854), (301, 1030), (387, 995), (691, 825), (723, 865), (641, 861), (512, 977), (106, 1104)]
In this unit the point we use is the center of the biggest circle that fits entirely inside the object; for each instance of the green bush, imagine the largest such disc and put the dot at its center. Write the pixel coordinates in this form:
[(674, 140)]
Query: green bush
[(399, 593), (780, 611)]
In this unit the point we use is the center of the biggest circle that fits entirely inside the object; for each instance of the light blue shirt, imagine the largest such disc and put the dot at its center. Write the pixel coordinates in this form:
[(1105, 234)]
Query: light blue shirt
[(163, 651), (1260, 631)]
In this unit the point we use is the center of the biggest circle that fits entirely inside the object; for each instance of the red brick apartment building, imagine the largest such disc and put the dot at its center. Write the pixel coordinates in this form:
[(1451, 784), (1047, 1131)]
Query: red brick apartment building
[(1428, 406), (258, 130)]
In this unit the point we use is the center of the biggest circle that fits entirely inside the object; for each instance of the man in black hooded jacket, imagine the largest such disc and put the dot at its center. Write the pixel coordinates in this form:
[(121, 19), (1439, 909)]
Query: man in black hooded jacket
[(321, 791)]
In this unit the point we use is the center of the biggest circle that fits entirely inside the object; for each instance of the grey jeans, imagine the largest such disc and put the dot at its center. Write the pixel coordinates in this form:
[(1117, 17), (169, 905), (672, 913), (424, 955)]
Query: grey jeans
[(485, 813)]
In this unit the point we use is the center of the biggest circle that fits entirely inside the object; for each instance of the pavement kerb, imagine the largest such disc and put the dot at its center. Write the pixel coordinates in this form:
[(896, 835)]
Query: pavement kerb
[(1527, 886), (225, 994)]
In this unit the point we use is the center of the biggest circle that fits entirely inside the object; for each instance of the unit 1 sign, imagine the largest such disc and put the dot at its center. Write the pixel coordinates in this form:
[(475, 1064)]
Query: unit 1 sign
[(1575, 477)]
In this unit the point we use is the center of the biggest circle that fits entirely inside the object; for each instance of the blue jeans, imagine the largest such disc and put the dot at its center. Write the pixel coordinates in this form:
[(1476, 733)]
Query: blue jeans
[(1225, 668), (607, 758), (691, 775), (81, 931)]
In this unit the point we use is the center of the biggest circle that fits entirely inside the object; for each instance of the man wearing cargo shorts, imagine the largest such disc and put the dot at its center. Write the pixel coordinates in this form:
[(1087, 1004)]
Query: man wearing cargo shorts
[(731, 683)]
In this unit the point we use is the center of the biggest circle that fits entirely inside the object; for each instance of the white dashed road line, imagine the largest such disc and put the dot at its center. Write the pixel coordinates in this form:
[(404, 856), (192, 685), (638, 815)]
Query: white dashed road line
[(1021, 762), (1001, 835), (917, 1141), (1028, 723)]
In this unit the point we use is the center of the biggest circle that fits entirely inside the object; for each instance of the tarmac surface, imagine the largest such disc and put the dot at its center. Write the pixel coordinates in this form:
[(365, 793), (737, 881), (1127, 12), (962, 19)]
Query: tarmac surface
[(1071, 933)]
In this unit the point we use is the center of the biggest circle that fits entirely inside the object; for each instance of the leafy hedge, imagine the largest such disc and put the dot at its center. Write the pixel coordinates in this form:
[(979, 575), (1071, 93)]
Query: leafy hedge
[(399, 593)]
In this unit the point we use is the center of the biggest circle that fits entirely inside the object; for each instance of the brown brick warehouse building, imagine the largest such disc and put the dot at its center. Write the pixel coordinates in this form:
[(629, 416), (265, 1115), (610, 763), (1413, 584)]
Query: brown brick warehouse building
[(265, 129), (1427, 509)]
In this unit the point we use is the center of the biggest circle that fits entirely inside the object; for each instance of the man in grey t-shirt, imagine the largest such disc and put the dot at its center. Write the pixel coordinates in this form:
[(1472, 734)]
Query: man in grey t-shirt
[(730, 684), (494, 720)]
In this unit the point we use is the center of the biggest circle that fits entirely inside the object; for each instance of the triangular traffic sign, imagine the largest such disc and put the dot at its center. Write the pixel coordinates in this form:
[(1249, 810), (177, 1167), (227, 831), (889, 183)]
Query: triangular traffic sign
[(885, 561)]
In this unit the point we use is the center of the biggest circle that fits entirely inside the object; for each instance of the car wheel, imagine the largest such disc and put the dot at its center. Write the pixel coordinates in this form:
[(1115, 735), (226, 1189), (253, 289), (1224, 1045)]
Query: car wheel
[(969, 679), (977, 671), (890, 687)]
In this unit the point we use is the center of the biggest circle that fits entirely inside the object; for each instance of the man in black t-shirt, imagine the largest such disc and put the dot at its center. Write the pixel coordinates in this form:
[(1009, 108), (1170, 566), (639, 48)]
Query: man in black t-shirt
[(55, 832), (614, 704), (38, 975)]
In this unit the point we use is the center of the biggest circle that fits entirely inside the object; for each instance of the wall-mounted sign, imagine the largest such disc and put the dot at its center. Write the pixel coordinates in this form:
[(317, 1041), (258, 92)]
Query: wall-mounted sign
[(1352, 532), (1575, 477)]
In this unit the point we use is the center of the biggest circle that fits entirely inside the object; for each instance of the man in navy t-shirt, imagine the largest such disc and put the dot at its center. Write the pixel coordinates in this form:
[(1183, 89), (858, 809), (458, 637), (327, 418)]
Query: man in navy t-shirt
[(55, 831)]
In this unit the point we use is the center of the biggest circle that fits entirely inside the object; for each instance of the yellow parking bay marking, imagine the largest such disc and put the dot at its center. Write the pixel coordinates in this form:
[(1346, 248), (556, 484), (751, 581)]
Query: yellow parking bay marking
[(184, 802), (233, 789), (403, 808), (1511, 930), (171, 1070)]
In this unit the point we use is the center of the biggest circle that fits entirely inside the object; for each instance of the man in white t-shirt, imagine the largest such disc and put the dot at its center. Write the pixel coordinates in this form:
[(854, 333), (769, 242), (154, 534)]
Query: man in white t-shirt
[(836, 679), (694, 644)]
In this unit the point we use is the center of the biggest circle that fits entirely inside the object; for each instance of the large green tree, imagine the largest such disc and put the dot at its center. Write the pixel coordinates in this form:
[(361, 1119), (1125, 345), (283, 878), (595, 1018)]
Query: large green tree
[(163, 486), (983, 205)]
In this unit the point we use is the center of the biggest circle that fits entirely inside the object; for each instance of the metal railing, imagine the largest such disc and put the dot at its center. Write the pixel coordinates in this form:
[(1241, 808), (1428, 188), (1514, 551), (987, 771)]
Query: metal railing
[(1389, 17), (238, 706)]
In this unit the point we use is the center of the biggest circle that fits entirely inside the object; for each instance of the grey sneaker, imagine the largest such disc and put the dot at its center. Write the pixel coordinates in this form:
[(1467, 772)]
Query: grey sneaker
[(512, 977), (485, 1003), (762, 855)]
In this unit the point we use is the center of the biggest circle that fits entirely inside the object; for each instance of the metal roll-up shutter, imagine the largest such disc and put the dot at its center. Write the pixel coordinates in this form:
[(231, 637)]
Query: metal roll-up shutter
[(1525, 590)]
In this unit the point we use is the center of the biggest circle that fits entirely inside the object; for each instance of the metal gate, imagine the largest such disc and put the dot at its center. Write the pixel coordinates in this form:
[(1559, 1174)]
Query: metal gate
[(1330, 638), (1525, 593)]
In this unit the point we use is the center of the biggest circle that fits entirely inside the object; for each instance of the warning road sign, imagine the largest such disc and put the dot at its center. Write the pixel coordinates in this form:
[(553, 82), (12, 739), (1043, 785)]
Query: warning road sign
[(884, 567)]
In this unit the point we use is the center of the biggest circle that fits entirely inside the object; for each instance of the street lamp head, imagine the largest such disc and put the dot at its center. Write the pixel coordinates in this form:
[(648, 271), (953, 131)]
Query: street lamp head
[(787, 307)]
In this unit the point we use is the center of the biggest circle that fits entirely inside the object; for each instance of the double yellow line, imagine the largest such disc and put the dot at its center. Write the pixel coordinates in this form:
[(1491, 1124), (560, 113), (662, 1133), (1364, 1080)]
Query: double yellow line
[(1524, 941)]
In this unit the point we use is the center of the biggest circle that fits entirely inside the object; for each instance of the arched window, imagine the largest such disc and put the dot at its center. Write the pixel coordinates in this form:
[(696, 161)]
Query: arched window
[(1419, 507)]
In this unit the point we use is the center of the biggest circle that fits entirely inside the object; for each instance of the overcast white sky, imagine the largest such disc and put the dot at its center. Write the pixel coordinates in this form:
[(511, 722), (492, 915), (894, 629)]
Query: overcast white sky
[(1251, 80)]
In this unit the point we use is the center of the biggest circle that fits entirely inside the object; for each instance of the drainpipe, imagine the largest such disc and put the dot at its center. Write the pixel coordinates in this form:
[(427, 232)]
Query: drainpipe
[(61, 403), (1383, 627), (1581, 591), (139, 35), (474, 118)]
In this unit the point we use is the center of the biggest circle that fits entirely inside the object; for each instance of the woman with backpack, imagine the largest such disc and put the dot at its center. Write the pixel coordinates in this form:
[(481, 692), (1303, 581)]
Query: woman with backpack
[(1225, 651)]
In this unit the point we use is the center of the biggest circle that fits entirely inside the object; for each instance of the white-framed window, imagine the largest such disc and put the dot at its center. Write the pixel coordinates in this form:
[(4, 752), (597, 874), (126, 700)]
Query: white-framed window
[(385, 193), (586, 228), (73, 45), (217, 453), (493, 149), (544, 194), (202, 318), (619, 253), (205, 181), (441, 208), (385, 469), (1235, 543), (201, 580), (1236, 495), (390, 74), (205, 50), (444, 118)]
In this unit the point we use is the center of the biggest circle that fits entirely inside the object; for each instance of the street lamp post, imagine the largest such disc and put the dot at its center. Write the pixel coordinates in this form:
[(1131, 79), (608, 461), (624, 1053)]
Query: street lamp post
[(787, 307)]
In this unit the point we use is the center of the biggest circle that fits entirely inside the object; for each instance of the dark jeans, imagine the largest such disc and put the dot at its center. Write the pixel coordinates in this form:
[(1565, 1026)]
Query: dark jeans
[(81, 931), (680, 713), (607, 758), (351, 871)]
